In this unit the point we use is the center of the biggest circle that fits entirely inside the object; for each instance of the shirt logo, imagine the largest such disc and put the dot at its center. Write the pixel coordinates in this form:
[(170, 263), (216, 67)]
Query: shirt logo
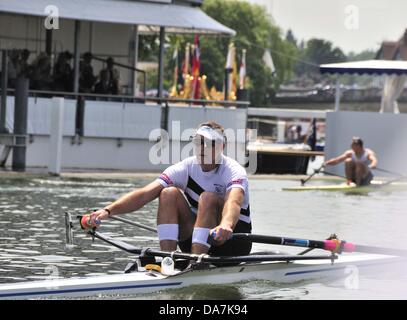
[(219, 188), (166, 179), (237, 181)]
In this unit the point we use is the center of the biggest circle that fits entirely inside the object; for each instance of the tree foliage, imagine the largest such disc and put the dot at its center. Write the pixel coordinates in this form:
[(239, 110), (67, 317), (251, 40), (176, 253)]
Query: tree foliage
[(316, 52)]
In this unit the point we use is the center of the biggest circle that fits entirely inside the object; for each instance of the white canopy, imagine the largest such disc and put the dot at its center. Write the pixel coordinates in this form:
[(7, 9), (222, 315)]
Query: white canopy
[(176, 18), (374, 67), (395, 73)]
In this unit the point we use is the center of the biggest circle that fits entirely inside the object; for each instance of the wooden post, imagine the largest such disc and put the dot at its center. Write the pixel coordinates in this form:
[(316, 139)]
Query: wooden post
[(3, 105), (337, 94), (133, 55), (76, 57), (20, 123), (55, 138), (161, 64)]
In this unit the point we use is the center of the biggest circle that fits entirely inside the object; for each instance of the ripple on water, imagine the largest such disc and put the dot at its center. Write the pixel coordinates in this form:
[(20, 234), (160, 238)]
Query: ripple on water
[(52, 258), (24, 251)]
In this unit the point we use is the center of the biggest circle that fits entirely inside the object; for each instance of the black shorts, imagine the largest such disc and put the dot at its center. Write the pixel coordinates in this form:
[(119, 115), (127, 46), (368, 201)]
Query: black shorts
[(366, 180), (229, 248)]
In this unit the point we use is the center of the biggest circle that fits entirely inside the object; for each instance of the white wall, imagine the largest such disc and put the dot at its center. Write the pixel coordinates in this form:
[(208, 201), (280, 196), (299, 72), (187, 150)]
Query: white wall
[(384, 133), (39, 116), (121, 120)]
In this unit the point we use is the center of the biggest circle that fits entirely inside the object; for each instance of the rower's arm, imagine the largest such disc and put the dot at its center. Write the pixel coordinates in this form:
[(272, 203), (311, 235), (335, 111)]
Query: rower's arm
[(335, 161), (230, 215), (135, 199), (373, 159), (231, 208)]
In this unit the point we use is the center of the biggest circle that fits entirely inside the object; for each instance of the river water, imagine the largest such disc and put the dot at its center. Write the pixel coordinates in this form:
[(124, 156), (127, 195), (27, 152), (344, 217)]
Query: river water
[(32, 232)]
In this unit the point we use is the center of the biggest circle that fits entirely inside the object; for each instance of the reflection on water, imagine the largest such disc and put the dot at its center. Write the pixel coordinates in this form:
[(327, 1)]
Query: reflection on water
[(32, 232)]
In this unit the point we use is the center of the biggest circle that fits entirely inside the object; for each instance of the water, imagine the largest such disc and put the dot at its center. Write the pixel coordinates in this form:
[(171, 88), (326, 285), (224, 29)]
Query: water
[(32, 233)]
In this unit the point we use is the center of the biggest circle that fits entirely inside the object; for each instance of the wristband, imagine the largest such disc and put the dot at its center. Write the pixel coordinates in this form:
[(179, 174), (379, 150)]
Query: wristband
[(108, 211)]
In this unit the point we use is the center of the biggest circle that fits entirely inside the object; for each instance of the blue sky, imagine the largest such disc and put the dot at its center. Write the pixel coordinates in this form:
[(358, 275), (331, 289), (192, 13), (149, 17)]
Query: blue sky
[(352, 25)]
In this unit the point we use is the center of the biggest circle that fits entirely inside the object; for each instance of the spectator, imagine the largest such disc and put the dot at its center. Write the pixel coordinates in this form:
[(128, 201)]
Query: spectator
[(40, 72), (102, 86), (87, 78), (24, 68), (109, 79), (63, 72), (12, 68)]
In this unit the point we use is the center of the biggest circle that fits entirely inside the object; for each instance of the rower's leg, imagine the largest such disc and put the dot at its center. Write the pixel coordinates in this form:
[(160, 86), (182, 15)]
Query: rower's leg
[(361, 172), (174, 209), (349, 170), (208, 216)]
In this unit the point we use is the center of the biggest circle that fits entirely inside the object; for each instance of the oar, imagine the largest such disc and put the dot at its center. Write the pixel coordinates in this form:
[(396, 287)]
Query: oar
[(333, 174), (136, 224), (203, 257), (391, 172), (315, 172), (334, 245)]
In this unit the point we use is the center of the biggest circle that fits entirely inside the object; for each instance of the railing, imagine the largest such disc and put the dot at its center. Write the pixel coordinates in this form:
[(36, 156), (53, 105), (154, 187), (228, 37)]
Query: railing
[(127, 98), (13, 140)]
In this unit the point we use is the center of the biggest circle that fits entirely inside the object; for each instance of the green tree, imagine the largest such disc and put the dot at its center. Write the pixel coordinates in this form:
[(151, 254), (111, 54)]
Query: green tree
[(290, 37), (316, 52)]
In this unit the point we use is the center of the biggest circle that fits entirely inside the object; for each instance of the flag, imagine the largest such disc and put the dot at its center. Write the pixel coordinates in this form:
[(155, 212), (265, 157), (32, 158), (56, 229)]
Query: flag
[(185, 63), (185, 69), (268, 61), (232, 72), (196, 62), (242, 71), (174, 91)]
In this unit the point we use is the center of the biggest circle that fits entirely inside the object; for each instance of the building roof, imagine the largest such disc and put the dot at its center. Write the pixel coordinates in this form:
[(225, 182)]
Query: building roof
[(175, 18), (394, 50)]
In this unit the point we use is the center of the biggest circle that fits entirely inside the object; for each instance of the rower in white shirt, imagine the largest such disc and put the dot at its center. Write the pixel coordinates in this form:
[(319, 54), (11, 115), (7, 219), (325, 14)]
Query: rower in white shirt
[(204, 194)]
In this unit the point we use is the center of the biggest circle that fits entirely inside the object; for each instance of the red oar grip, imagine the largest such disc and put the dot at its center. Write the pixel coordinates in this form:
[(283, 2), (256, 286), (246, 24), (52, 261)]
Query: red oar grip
[(86, 222), (338, 246)]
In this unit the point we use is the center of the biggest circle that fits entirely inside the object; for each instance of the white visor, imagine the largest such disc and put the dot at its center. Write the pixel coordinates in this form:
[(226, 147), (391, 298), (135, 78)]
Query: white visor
[(209, 133)]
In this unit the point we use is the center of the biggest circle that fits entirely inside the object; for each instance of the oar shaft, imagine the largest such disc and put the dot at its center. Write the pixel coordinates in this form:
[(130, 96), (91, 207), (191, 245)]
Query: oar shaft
[(293, 242), (205, 258), (333, 174), (133, 223), (390, 172), (315, 172), (330, 245)]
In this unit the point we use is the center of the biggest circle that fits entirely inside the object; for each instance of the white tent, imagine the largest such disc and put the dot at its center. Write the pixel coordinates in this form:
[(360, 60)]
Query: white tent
[(175, 18), (395, 73)]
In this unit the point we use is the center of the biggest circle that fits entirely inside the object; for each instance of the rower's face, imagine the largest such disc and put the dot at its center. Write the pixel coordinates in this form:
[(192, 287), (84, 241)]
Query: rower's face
[(207, 151), (356, 147)]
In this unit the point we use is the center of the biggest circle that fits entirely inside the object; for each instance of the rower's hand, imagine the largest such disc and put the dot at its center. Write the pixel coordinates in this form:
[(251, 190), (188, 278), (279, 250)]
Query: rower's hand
[(318, 170), (97, 216), (221, 234)]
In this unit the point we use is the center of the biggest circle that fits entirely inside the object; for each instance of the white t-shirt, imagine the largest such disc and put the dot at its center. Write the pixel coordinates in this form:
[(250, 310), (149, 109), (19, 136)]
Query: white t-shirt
[(188, 176)]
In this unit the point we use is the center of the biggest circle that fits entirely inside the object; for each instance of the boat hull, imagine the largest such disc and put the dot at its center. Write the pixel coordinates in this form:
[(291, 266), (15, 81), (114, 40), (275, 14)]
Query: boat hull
[(151, 281), (375, 184)]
